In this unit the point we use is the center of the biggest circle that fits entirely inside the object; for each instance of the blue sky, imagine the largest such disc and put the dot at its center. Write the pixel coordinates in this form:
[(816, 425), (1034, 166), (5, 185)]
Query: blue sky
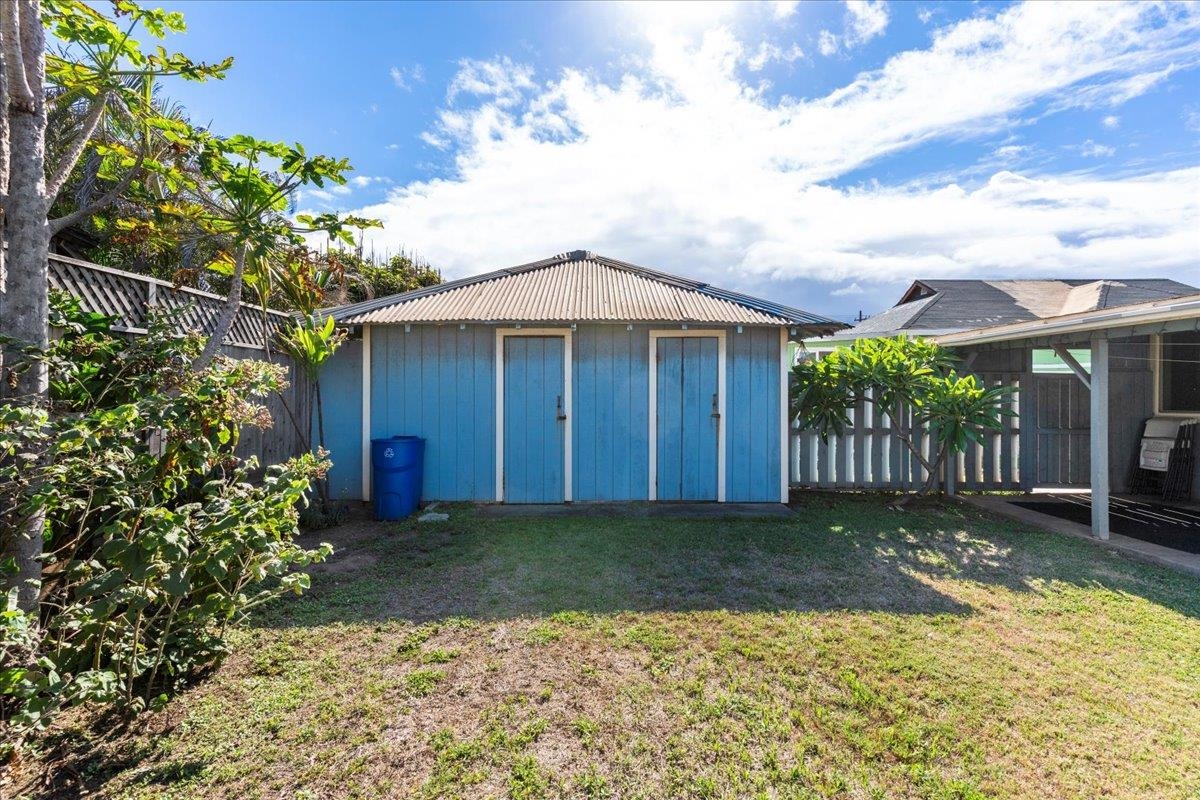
[(821, 154)]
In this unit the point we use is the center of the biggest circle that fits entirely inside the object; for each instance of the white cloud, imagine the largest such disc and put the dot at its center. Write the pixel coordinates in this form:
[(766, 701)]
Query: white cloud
[(320, 195), (363, 181), (681, 164), (501, 80), (406, 77), (1111, 121), (866, 19), (848, 290), (827, 43), (1009, 151), (1191, 119), (782, 9), (768, 52), (1090, 149)]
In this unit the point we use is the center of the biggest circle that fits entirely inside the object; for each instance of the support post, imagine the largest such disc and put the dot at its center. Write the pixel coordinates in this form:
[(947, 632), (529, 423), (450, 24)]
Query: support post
[(366, 414), (1099, 437)]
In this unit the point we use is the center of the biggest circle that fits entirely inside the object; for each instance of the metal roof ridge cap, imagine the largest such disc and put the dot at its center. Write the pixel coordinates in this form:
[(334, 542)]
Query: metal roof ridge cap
[(766, 306)]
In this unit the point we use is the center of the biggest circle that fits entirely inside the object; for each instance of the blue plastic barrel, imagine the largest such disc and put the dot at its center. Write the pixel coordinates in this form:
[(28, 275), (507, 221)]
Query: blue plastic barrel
[(398, 468)]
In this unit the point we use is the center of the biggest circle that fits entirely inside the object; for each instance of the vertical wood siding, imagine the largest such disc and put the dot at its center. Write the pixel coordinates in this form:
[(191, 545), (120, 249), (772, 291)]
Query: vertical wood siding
[(341, 394), (437, 382), (752, 407), (611, 396)]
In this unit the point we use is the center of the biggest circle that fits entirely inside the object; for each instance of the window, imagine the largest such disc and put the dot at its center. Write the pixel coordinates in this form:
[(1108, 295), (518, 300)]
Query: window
[(1047, 361), (1179, 372)]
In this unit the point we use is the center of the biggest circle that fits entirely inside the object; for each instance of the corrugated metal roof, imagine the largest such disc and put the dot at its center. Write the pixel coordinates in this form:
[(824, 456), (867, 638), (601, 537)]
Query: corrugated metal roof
[(577, 287)]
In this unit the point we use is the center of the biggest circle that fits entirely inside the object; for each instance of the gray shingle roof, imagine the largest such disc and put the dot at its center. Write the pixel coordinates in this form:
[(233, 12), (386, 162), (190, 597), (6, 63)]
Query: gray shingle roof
[(578, 287), (953, 305)]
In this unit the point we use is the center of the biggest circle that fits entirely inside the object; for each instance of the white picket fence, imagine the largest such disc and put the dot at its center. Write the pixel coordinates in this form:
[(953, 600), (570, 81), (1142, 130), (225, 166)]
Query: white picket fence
[(870, 454)]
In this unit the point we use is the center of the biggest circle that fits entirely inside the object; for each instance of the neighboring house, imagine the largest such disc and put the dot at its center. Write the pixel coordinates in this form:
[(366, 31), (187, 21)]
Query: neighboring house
[(936, 307), (576, 378), (1084, 429)]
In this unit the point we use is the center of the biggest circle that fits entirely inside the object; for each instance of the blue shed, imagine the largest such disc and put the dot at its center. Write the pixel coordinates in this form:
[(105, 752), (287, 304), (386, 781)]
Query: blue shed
[(576, 378)]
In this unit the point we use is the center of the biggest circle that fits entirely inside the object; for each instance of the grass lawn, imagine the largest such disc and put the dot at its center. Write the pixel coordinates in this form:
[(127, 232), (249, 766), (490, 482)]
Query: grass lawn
[(847, 652)]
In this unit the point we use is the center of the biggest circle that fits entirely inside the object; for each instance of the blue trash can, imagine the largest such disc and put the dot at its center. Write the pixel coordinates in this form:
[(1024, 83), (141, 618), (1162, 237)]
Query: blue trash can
[(398, 466)]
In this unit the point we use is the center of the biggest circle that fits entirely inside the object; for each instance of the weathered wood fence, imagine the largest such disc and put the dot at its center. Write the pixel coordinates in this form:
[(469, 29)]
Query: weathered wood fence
[(131, 298), (871, 455)]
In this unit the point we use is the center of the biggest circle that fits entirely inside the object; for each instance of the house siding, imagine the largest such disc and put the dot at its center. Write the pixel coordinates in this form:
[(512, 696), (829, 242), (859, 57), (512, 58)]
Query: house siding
[(753, 439), (438, 382), (611, 399)]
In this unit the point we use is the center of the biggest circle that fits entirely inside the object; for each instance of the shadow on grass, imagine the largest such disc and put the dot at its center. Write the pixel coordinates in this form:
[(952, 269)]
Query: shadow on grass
[(85, 768), (837, 553)]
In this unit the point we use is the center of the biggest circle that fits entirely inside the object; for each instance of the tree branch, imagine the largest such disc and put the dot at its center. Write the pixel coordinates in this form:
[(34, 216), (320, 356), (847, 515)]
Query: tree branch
[(107, 199), (71, 157), (228, 313), (20, 95)]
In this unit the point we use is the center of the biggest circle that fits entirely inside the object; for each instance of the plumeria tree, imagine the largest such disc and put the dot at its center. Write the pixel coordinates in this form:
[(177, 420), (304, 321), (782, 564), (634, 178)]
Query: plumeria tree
[(240, 204), (895, 375)]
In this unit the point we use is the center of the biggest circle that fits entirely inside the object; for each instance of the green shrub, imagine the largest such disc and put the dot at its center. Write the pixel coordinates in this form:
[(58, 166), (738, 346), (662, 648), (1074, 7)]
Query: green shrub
[(157, 536)]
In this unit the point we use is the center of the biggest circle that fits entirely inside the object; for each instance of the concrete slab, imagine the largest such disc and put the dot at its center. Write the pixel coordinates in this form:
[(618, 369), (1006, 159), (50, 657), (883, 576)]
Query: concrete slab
[(1134, 548), (639, 510)]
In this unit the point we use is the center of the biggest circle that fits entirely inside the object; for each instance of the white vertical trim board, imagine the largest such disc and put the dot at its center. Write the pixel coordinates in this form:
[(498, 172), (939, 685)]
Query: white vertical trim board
[(366, 414), (1098, 436), (784, 368), (652, 461), (568, 404), (568, 412), (719, 334), (499, 381)]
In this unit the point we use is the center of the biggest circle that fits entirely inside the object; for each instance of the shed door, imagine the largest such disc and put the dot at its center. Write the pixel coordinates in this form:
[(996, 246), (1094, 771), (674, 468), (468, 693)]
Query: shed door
[(534, 419), (1063, 419), (688, 421)]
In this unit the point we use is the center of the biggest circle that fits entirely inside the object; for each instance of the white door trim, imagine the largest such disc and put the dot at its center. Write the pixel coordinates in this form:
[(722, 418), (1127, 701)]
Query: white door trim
[(784, 426), (653, 374), (568, 357), (366, 414)]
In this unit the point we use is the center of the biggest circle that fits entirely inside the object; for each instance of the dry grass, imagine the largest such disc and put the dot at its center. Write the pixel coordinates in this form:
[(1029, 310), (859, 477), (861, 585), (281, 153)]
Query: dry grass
[(849, 652)]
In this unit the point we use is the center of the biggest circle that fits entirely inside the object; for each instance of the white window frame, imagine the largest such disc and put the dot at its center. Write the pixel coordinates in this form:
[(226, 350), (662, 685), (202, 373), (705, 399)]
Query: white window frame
[(568, 409), (1156, 371), (655, 335)]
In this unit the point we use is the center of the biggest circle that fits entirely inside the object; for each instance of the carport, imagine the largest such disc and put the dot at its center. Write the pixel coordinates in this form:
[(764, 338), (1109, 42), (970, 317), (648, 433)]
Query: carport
[(1142, 362)]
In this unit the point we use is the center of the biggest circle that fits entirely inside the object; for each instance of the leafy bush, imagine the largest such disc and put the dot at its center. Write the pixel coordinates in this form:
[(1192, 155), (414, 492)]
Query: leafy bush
[(158, 536), (894, 375)]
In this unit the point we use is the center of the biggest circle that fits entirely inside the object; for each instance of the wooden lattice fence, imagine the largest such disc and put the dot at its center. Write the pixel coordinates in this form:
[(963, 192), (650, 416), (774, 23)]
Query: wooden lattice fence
[(131, 298)]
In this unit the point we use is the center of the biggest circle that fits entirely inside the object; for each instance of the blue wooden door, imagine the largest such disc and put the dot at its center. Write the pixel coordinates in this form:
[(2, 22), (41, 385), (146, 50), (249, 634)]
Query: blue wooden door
[(688, 422), (533, 422)]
